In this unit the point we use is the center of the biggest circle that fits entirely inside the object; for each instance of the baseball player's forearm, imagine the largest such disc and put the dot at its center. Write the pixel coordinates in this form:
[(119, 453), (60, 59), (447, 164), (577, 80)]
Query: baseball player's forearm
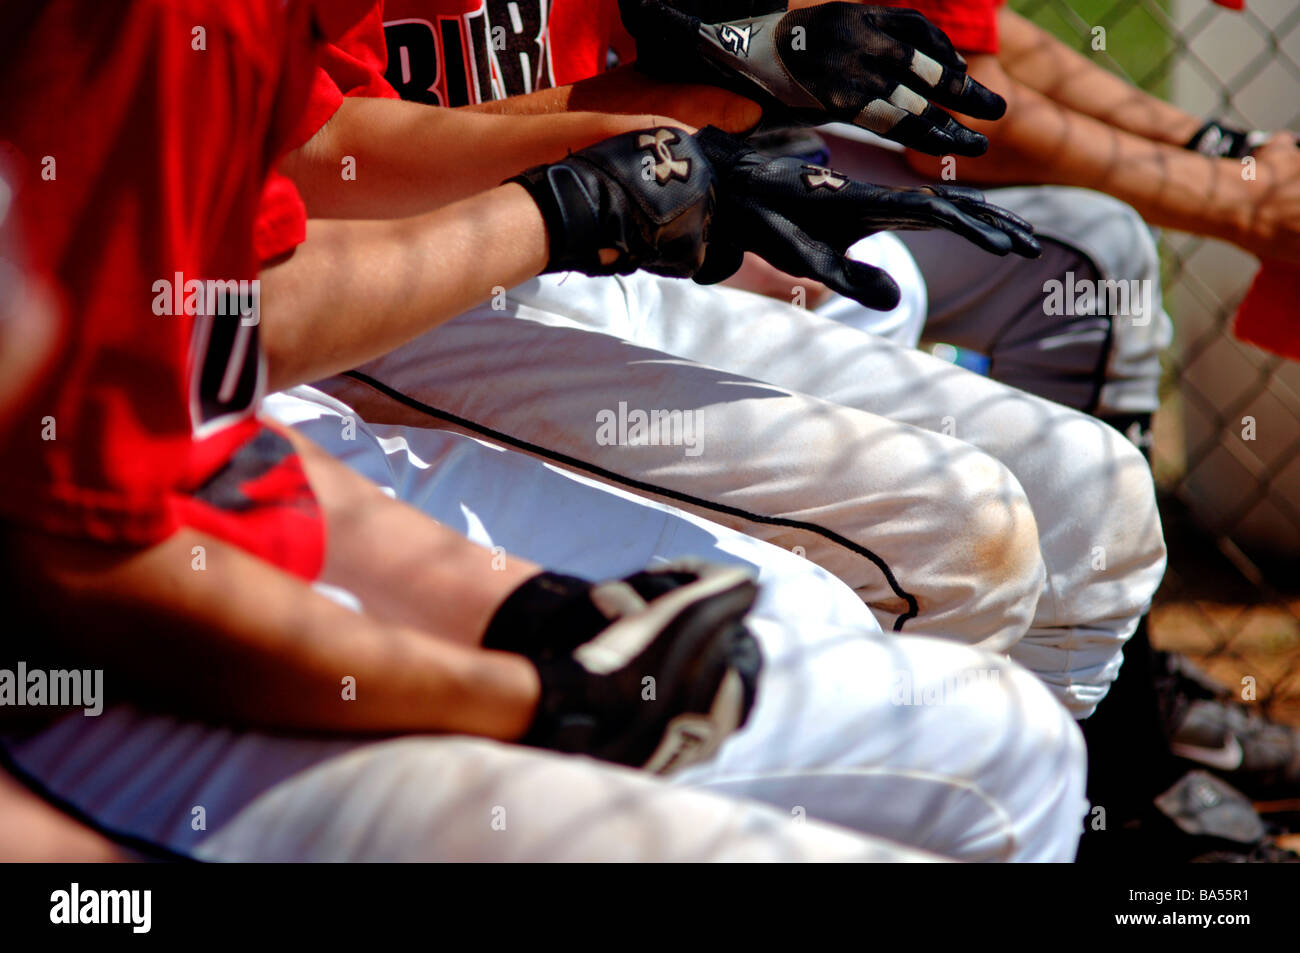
[(358, 289), (1035, 58), (410, 158), (242, 641), (628, 92), (1041, 141), (405, 568)]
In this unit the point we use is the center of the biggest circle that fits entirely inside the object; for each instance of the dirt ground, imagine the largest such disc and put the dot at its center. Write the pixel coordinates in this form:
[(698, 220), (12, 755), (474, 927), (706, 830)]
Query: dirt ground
[(1244, 631), (1237, 628)]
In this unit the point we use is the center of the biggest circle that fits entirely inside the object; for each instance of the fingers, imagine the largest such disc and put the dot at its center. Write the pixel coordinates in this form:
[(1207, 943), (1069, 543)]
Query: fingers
[(866, 284), (965, 195), (934, 68), (1021, 233), (909, 120), (958, 91), (982, 234), (721, 261), (906, 114), (972, 202), (802, 256), (928, 209), (915, 30)]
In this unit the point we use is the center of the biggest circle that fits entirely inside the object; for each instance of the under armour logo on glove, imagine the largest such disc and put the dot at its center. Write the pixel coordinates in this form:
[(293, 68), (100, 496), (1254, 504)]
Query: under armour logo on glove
[(803, 218), (818, 178), (667, 167), (631, 196)]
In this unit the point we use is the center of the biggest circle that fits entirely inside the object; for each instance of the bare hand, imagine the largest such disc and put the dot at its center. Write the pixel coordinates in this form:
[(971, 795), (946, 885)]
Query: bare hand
[(1270, 223)]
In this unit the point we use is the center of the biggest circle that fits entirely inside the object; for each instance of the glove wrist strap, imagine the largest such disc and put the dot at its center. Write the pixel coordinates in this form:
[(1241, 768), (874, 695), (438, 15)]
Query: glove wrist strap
[(567, 716), (1218, 141), (570, 216), (723, 150), (550, 613)]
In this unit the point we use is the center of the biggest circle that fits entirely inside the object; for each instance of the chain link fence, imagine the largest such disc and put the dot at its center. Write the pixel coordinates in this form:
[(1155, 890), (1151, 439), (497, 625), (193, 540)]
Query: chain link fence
[(1227, 439)]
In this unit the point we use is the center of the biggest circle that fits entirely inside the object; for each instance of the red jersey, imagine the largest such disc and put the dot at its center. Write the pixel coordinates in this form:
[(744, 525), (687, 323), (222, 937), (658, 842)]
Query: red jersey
[(456, 52), (354, 62), (459, 52), (144, 133)]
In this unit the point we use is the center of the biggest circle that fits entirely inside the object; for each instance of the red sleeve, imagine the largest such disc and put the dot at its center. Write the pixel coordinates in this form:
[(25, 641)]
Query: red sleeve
[(353, 65), (281, 219), (334, 18), (581, 33), (972, 25), (323, 102), (129, 236), (1267, 318), (356, 60)]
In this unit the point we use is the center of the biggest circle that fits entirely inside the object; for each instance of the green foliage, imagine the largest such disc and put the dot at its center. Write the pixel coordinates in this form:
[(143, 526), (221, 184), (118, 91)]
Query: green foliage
[(1137, 44)]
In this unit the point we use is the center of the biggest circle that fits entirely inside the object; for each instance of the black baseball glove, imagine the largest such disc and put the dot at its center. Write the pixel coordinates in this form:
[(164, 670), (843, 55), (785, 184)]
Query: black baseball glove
[(691, 206), (885, 69), (654, 670), (644, 198), (802, 218)]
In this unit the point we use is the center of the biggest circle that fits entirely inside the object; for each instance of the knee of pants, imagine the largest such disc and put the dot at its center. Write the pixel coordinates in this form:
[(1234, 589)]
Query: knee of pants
[(1109, 232), (1135, 517), (1106, 562), (988, 570), (1105, 553), (1116, 237), (1041, 770), (1121, 244)]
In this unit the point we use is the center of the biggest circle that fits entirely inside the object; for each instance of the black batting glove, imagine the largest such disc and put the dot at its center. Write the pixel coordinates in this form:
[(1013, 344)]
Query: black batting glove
[(645, 196), (803, 218), (654, 670), (1220, 141), (885, 69)]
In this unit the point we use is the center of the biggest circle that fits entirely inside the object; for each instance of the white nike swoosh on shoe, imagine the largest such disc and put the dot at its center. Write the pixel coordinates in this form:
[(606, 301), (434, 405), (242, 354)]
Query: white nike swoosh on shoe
[(1226, 758)]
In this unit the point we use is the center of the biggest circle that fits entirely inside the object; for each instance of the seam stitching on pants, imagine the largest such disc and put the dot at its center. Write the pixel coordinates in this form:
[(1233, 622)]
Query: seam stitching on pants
[(912, 606), (142, 845)]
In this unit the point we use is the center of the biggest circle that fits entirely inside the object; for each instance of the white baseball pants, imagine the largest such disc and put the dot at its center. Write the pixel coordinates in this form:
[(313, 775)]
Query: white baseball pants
[(954, 505), (921, 742)]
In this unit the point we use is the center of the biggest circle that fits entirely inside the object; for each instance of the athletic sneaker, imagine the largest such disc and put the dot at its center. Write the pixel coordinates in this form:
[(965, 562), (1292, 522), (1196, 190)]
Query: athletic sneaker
[(1216, 823), (1208, 727)]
